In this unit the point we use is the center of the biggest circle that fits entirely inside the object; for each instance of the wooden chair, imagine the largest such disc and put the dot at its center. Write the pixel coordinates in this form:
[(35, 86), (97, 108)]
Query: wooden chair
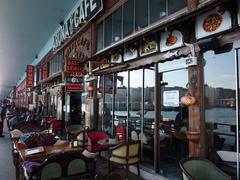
[(125, 154), (201, 169)]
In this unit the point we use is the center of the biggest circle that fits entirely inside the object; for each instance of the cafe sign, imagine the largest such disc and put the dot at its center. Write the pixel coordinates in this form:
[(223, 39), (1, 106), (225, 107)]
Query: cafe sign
[(30, 76), (86, 10)]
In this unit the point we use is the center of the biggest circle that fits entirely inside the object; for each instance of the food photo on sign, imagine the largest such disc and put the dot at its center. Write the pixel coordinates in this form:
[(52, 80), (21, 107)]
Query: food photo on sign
[(212, 22), (170, 40)]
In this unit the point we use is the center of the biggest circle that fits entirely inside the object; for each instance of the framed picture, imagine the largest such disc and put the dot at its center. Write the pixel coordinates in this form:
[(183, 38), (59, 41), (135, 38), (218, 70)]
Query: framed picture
[(104, 63)]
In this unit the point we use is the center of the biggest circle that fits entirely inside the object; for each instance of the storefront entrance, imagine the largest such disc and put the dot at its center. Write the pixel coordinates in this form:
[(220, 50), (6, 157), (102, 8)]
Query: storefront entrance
[(174, 120)]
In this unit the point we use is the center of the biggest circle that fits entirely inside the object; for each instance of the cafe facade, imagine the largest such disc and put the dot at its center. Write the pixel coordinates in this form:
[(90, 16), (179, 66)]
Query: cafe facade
[(167, 71), (156, 62)]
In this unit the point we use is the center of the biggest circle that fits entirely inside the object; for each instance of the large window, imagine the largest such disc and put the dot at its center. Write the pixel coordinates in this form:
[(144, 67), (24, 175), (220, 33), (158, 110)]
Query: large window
[(132, 16), (141, 14), (56, 64), (220, 102), (128, 17), (157, 10), (117, 25)]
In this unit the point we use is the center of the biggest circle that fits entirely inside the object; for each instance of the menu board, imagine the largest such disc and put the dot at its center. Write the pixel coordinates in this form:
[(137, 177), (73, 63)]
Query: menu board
[(212, 22), (170, 40)]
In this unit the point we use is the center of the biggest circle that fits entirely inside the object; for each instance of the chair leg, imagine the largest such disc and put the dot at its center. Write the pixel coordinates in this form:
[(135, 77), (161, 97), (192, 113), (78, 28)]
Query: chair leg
[(109, 167), (138, 169), (127, 171)]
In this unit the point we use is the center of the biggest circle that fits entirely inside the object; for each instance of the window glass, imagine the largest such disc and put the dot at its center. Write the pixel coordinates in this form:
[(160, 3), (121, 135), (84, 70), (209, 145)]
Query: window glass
[(128, 15), (157, 10), (220, 102), (141, 13), (121, 103), (135, 103), (117, 25), (149, 116), (174, 5), (108, 31), (100, 36)]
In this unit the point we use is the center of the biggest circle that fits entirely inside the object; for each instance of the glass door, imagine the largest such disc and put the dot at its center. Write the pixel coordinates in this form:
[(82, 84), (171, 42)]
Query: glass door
[(174, 122)]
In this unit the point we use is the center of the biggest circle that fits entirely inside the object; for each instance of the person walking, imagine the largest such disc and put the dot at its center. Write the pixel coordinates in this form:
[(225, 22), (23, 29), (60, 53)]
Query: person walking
[(3, 115)]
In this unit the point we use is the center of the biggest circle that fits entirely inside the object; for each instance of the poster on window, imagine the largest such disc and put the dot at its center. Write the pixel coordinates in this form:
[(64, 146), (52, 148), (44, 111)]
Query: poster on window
[(170, 40), (212, 22), (171, 98)]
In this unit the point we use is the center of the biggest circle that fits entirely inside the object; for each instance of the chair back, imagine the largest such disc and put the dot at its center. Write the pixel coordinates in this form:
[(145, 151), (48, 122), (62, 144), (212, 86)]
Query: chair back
[(96, 135), (201, 169), (82, 138), (66, 164), (143, 138), (126, 153), (134, 136)]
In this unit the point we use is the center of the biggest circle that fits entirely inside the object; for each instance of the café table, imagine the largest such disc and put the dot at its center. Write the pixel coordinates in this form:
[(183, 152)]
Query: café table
[(48, 151)]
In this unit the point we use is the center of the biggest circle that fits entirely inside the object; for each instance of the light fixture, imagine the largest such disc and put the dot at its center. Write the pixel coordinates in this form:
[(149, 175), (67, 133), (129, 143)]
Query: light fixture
[(188, 100)]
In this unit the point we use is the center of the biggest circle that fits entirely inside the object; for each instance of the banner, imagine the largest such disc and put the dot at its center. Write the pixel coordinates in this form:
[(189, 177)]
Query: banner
[(30, 76)]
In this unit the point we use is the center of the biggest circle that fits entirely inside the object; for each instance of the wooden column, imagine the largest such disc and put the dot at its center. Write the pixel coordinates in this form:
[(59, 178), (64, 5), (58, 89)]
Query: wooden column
[(192, 4), (196, 130)]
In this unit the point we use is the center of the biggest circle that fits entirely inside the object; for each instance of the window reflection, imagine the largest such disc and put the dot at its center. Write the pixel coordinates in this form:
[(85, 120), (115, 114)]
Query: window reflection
[(220, 101)]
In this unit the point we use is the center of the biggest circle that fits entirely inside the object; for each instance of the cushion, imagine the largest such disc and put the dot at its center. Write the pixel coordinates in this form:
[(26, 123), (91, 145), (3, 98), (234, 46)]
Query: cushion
[(30, 165)]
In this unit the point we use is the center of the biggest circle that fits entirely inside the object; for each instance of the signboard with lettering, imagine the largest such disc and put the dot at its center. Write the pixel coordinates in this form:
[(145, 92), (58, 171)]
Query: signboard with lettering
[(171, 98), (86, 10), (74, 77), (30, 76), (44, 72)]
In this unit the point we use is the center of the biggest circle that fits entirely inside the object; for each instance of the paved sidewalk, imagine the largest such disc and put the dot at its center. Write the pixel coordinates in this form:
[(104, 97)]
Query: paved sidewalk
[(7, 169)]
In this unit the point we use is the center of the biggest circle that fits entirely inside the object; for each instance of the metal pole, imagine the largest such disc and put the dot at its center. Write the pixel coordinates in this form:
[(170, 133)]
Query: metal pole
[(237, 108)]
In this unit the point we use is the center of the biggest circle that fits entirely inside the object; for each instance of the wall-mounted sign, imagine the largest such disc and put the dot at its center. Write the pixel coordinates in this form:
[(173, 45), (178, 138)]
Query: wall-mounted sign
[(212, 22), (74, 66), (74, 77), (86, 10), (30, 76), (148, 46), (81, 47), (177, 64), (104, 63), (171, 98), (171, 40), (130, 52), (44, 72), (74, 87), (116, 58)]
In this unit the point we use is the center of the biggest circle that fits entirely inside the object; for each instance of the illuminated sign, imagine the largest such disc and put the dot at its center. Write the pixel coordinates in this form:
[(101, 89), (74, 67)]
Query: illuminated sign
[(30, 76), (86, 10), (74, 78)]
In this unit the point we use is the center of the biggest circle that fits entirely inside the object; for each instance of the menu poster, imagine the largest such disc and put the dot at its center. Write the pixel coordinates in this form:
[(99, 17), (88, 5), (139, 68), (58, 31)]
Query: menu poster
[(30, 76), (130, 52), (104, 63), (148, 46), (212, 22), (171, 98), (116, 58), (171, 40)]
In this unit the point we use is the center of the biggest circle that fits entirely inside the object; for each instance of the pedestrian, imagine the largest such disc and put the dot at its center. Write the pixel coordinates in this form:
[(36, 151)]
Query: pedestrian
[(40, 112), (3, 115)]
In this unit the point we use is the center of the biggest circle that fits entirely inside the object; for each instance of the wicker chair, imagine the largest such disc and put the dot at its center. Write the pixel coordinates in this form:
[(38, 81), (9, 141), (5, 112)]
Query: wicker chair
[(125, 154), (201, 169)]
